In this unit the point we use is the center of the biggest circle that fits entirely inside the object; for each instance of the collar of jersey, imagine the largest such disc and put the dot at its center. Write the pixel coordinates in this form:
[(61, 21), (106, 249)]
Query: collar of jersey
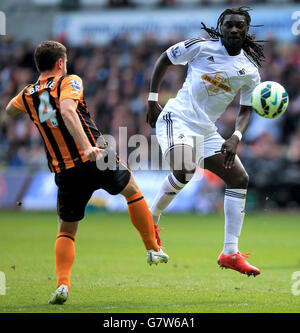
[(46, 77)]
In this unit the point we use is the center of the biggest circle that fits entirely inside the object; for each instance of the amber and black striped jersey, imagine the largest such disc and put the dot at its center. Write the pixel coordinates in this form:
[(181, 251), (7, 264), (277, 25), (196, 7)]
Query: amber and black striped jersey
[(41, 101)]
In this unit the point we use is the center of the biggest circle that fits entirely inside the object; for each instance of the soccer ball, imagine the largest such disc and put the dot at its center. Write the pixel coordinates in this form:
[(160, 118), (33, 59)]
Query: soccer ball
[(269, 99)]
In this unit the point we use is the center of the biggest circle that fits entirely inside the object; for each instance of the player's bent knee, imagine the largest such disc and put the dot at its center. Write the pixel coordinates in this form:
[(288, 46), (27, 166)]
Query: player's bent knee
[(244, 180), (69, 227), (186, 173), (241, 181), (131, 188)]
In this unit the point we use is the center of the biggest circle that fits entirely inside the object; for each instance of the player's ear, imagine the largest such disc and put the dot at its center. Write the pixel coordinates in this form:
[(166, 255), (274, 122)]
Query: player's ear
[(60, 63)]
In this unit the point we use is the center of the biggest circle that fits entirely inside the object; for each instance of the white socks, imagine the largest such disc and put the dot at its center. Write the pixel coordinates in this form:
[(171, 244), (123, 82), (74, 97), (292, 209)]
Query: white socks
[(234, 210), (170, 187)]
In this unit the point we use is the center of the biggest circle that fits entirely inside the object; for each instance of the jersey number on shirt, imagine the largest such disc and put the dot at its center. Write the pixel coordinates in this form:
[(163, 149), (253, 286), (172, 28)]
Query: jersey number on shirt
[(46, 111)]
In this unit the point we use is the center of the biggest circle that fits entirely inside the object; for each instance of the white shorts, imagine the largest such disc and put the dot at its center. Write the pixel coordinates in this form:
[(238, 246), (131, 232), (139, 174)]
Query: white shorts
[(172, 130)]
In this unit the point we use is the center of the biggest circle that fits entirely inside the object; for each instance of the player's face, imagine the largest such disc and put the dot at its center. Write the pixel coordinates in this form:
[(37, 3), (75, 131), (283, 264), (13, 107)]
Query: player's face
[(234, 29)]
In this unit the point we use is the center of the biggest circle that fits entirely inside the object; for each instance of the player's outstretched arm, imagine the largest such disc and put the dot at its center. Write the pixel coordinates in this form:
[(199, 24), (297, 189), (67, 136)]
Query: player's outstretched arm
[(73, 124), (229, 147), (160, 68), (11, 110)]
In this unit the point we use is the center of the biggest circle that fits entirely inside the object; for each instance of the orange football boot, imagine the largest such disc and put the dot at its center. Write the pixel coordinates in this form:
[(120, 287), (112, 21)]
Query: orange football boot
[(238, 263)]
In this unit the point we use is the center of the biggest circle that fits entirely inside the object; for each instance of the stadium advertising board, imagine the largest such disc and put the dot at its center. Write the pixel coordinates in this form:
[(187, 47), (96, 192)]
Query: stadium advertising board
[(11, 179), (100, 27), (42, 193)]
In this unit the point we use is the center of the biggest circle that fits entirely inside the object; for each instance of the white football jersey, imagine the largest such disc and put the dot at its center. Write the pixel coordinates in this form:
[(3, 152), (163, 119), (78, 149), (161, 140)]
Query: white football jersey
[(213, 79)]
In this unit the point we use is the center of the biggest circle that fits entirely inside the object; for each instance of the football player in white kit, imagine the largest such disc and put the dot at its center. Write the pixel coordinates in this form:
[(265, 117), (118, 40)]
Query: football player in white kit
[(218, 69)]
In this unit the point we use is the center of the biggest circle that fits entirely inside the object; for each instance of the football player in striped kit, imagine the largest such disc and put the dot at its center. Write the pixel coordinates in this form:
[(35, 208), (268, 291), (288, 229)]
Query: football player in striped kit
[(218, 68), (56, 105)]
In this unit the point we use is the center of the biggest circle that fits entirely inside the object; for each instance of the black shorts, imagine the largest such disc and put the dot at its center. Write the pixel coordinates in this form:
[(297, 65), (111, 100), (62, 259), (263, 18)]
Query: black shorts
[(76, 186)]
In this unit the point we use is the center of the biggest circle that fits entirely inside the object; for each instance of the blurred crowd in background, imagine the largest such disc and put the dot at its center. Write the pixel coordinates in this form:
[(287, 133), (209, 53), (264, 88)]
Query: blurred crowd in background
[(116, 81)]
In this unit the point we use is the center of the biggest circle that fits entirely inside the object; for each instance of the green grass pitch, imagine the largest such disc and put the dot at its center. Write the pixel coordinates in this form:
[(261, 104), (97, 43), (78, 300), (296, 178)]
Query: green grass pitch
[(110, 273)]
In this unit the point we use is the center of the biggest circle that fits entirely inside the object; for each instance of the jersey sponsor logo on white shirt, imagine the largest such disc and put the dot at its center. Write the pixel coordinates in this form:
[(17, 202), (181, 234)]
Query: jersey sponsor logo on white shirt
[(216, 83)]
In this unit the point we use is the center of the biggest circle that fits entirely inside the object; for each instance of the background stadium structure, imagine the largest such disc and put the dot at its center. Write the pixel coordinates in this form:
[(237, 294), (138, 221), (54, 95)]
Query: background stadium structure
[(116, 73)]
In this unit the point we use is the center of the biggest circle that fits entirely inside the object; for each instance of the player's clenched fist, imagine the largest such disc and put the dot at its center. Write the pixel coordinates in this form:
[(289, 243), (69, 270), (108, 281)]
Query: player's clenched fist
[(93, 153)]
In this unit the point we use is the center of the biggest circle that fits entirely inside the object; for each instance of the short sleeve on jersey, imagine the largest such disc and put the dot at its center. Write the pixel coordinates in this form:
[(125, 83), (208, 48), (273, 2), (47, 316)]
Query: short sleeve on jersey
[(18, 103), (246, 90), (184, 52), (71, 87)]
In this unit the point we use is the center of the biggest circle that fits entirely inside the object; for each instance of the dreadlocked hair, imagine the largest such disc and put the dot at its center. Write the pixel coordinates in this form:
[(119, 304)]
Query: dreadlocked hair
[(251, 46)]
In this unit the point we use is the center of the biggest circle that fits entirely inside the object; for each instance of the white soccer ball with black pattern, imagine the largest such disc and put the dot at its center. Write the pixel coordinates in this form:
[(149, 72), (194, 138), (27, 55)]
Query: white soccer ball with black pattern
[(269, 99)]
